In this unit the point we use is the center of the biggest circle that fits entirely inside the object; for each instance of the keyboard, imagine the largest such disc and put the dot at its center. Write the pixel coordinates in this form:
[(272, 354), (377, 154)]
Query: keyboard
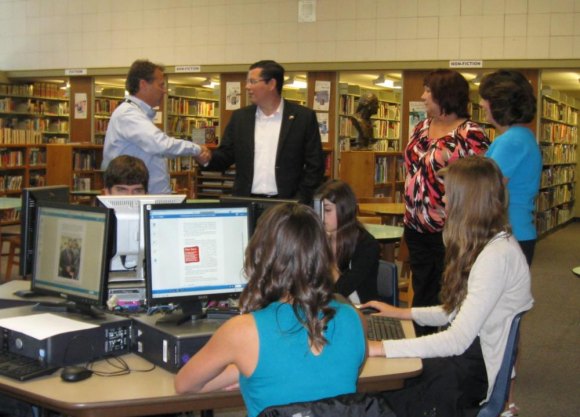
[(22, 368), (384, 328)]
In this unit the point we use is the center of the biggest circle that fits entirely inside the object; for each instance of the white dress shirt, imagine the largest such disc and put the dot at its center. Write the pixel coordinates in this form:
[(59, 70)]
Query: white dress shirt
[(266, 137)]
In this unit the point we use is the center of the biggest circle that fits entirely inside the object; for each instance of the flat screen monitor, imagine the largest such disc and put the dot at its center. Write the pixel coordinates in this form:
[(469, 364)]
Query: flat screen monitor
[(258, 206), (71, 253), (127, 260), (30, 199), (194, 253)]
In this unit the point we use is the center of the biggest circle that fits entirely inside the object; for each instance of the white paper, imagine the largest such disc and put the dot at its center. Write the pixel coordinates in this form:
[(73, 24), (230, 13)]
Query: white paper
[(43, 326), (417, 113), (323, 126), (233, 99), (80, 105)]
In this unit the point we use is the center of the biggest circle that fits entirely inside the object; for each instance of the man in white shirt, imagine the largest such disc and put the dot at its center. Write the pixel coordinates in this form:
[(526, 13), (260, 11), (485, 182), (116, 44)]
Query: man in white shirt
[(131, 130)]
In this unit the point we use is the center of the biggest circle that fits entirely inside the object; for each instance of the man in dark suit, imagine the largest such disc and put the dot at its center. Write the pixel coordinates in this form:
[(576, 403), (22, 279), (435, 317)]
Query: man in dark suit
[(275, 144)]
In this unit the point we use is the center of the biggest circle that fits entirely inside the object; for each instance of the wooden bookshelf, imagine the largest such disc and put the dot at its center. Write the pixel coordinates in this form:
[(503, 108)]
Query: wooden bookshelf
[(374, 174), (106, 100), (33, 113), (558, 139), (190, 108)]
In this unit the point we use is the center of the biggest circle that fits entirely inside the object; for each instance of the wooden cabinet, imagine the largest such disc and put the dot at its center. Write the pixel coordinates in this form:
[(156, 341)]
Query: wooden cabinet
[(209, 184), (374, 174), (78, 166), (558, 139)]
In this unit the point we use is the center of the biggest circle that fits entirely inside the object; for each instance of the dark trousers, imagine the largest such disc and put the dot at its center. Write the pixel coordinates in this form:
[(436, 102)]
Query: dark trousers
[(447, 387), (427, 258), (528, 247)]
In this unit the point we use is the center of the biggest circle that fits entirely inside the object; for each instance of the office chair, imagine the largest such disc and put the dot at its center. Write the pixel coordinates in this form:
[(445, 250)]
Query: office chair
[(388, 282), (501, 388)]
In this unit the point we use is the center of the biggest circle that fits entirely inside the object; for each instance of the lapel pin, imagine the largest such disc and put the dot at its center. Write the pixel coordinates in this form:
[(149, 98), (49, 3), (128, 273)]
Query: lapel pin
[(291, 117)]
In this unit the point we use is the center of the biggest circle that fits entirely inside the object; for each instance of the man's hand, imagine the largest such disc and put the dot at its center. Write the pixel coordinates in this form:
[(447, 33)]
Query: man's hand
[(204, 156)]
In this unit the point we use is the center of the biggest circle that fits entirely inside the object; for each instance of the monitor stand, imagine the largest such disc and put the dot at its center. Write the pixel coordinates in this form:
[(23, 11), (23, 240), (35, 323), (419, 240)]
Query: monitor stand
[(190, 311)]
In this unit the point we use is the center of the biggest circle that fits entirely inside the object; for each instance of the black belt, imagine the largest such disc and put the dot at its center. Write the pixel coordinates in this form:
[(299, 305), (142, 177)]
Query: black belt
[(264, 195)]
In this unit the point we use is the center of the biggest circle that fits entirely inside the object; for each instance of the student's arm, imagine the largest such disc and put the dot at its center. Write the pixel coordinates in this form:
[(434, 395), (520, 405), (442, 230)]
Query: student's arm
[(233, 346)]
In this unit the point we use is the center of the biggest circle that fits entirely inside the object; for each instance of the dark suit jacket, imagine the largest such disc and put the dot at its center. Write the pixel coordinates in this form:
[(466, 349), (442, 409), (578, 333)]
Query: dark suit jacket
[(299, 159)]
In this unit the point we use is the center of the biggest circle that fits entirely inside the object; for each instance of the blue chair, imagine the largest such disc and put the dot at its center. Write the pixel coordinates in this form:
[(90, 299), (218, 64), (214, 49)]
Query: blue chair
[(388, 282), (499, 395)]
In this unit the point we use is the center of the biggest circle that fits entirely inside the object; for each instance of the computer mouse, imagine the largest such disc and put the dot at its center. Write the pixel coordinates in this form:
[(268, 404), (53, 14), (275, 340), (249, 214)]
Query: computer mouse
[(75, 373)]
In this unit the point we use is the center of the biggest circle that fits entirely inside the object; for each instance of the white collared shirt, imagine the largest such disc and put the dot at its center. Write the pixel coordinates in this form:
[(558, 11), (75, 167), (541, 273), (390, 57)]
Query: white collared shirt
[(266, 137)]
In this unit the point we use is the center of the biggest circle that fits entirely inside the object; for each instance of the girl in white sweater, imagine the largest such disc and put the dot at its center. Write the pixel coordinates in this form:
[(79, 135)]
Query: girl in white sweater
[(486, 282)]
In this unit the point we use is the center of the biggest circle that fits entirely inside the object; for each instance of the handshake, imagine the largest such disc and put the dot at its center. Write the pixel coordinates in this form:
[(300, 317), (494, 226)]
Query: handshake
[(204, 156)]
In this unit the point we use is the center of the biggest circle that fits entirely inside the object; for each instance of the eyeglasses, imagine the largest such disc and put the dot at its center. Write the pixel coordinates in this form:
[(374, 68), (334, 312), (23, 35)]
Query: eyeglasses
[(255, 81)]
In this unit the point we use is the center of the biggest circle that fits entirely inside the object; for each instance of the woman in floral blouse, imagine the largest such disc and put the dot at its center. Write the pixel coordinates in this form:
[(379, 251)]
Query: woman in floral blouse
[(445, 136)]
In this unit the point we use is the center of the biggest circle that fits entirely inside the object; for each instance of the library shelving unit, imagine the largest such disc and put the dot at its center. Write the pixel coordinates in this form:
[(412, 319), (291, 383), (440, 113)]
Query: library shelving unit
[(374, 174), (558, 141), (478, 115), (190, 108), (387, 121), (106, 101), (20, 166), (213, 184), (77, 165), (33, 113)]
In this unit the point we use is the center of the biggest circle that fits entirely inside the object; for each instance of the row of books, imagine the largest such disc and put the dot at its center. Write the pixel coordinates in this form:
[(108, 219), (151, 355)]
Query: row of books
[(37, 89), (34, 106), (9, 136), (37, 124), (383, 129), (559, 133), (549, 219), (105, 106), (559, 112), (181, 164), (558, 154), (555, 175), (386, 145), (81, 183), (10, 182), (37, 180), (85, 161), (389, 111), (101, 126), (190, 107), (11, 158), (9, 215), (183, 126), (555, 196)]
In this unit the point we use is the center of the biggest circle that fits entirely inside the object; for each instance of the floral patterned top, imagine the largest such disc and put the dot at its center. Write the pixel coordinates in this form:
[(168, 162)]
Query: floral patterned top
[(424, 156)]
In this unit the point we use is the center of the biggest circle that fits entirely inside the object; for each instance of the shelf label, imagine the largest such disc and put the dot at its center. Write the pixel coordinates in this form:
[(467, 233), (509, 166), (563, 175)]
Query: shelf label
[(188, 68), (75, 71), (466, 63)]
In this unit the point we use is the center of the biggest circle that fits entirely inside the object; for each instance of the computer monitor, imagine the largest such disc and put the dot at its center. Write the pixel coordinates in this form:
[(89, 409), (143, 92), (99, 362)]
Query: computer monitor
[(30, 199), (71, 254), (127, 261), (194, 253), (258, 206)]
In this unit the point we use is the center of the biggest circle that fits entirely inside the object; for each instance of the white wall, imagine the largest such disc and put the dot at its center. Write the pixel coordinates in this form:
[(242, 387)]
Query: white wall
[(44, 34)]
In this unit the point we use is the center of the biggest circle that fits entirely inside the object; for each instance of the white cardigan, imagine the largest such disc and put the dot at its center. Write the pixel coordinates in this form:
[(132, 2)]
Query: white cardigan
[(498, 288)]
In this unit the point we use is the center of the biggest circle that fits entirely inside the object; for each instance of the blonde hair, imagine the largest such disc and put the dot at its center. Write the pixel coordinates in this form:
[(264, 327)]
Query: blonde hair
[(476, 211)]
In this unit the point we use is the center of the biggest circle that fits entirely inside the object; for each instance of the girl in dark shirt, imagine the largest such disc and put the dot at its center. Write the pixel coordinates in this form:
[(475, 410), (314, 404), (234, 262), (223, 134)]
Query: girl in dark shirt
[(356, 251)]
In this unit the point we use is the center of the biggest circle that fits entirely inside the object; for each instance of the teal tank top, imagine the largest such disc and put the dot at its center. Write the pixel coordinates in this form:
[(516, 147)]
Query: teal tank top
[(287, 371)]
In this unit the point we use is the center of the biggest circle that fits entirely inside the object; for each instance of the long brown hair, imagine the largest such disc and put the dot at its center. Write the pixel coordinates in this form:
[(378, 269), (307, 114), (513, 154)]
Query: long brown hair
[(349, 229), (289, 259), (476, 211)]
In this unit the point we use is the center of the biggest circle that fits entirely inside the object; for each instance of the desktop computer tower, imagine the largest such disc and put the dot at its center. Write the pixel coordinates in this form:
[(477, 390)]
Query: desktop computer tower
[(110, 337), (170, 346)]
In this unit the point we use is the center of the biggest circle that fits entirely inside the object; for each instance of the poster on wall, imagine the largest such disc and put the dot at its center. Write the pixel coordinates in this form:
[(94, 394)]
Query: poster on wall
[(80, 105), (417, 113), (321, 95), (323, 126), (233, 90)]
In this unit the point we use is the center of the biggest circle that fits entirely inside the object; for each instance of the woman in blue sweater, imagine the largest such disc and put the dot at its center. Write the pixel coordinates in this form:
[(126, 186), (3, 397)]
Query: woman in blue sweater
[(293, 337), (509, 102)]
